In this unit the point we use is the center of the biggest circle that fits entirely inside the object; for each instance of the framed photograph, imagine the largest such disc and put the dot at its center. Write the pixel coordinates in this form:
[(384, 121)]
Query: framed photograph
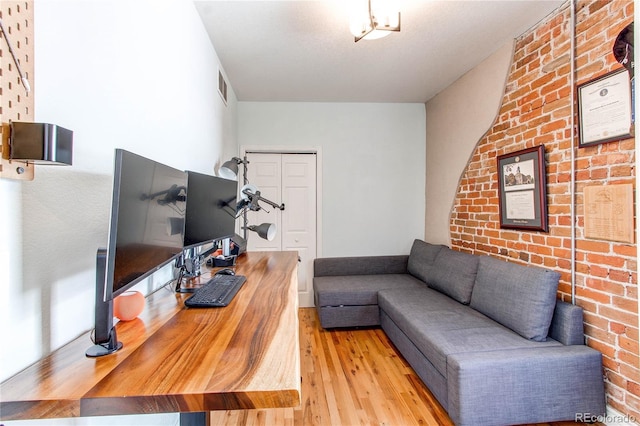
[(604, 106), (522, 190)]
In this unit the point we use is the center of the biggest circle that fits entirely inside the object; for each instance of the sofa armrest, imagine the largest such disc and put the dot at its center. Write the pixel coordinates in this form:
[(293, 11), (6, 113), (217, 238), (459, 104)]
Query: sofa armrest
[(364, 265), (567, 325), (525, 385)]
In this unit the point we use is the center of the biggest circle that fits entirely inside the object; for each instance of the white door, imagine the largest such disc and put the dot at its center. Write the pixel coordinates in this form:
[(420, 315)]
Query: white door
[(289, 179)]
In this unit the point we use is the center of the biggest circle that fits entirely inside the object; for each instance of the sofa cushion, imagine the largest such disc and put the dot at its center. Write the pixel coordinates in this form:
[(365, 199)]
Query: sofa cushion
[(438, 345), (360, 265), (438, 326), (519, 297), (454, 273), (428, 308), (421, 259), (352, 290)]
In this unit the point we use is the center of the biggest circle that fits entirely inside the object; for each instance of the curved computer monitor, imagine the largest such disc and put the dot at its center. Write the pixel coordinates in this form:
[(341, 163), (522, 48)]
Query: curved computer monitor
[(146, 232), (147, 220), (211, 209)]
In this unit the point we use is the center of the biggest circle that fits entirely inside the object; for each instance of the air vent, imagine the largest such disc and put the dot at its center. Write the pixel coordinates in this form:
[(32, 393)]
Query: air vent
[(222, 87)]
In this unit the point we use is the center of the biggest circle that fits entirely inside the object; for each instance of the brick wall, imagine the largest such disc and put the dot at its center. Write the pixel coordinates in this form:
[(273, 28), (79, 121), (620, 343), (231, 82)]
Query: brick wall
[(536, 109)]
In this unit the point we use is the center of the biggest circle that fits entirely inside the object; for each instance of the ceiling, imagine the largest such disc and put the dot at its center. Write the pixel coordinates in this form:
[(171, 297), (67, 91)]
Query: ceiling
[(303, 51)]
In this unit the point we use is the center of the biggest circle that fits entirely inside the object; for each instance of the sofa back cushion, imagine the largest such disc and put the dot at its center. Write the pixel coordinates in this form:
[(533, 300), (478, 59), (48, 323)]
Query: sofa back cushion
[(421, 259), (454, 273), (520, 297)]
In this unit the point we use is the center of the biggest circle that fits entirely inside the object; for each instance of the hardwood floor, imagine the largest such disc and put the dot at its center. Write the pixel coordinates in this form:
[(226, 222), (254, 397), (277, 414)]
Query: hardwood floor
[(350, 377)]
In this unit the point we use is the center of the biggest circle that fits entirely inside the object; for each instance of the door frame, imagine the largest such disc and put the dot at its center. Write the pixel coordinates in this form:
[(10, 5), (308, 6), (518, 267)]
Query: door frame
[(283, 149)]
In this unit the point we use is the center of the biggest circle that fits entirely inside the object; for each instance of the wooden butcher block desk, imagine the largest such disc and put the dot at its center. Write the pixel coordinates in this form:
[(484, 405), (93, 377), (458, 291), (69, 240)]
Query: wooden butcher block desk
[(178, 359)]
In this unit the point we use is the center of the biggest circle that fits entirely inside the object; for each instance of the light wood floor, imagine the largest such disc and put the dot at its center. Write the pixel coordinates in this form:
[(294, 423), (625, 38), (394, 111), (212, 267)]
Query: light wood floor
[(350, 377)]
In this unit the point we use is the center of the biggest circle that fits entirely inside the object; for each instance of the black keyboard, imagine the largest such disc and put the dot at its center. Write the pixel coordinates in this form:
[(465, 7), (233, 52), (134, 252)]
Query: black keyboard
[(216, 292)]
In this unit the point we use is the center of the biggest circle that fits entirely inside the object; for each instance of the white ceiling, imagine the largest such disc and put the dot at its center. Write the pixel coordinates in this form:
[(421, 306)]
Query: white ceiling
[(303, 51)]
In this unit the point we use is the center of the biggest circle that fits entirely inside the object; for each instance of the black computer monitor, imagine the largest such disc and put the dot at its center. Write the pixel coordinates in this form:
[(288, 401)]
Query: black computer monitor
[(211, 209), (146, 232), (148, 213)]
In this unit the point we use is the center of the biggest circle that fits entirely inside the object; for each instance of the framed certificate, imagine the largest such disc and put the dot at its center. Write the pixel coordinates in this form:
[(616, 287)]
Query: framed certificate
[(522, 190), (608, 212), (604, 105)]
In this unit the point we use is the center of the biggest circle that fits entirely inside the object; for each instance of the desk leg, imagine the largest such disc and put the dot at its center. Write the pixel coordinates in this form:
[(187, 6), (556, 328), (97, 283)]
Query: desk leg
[(194, 419)]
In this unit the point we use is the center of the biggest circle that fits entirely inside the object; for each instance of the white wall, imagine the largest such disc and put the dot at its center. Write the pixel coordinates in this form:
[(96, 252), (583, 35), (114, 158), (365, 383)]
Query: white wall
[(457, 118), (373, 167), (136, 74)]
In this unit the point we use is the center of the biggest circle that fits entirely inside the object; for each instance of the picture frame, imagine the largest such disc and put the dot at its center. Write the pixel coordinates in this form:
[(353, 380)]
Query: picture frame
[(608, 212), (522, 190), (604, 109)]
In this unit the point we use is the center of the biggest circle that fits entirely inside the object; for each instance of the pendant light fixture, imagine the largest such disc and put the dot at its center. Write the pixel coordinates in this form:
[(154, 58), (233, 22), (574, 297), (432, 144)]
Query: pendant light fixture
[(373, 19)]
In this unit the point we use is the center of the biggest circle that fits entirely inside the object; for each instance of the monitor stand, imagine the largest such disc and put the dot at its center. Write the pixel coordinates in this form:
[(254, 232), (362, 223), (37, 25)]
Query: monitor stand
[(105, 337), (188, 265)]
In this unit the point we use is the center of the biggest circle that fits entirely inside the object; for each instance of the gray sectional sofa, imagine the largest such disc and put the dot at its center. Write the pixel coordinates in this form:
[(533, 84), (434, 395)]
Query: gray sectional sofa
[(487, 337)]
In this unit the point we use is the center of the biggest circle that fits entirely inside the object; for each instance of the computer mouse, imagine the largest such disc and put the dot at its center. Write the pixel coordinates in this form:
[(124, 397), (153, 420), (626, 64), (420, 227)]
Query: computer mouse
[(226, 271)]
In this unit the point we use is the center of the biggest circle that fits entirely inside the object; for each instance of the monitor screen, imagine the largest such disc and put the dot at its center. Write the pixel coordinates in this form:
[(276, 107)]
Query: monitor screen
[(211, 209), (147, 220)]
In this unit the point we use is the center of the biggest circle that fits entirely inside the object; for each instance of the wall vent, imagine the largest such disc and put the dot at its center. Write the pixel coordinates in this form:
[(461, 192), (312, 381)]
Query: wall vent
[(222, 87)]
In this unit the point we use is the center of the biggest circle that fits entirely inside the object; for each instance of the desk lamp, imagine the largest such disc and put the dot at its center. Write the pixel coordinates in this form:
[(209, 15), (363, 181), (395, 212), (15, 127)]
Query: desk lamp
[(229, 169), (250, 199)]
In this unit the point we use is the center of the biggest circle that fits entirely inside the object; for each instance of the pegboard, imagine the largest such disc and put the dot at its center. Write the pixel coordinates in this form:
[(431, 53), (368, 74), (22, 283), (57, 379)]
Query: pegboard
[(15, 102)]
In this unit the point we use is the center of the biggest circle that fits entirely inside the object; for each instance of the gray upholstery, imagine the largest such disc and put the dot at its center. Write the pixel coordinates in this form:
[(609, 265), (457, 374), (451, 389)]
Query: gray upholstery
[(441, 332), (519, 297), (454, 274), (417, 302), (421, 259), (567, 324), (352, 300), (436, 382), (358, 290), (524, 386), (487, 337), (363, 265), (349, 316)]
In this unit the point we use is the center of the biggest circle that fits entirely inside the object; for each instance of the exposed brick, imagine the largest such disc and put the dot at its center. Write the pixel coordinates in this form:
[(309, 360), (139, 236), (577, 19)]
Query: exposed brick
[(617, 328), (623, 170), (605, 260), (596, 296), (630, 251), (598, 271), (620, 276), (606, 349), (625, 303), (595, 246), (634, 388), (536, 109)]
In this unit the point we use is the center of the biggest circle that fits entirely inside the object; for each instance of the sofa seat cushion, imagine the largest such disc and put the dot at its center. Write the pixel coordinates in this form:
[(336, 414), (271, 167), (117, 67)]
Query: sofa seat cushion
[(440, 328), (519, 297), (352, 290), (416, 303)]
